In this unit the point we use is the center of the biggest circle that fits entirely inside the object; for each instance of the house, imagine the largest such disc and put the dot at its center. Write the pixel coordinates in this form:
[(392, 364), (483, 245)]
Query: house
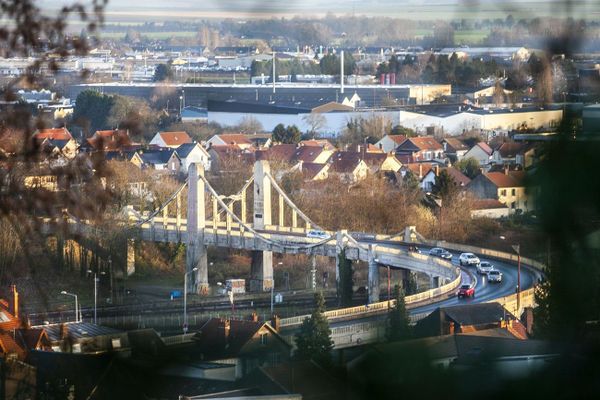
[(133, 157), (423, 148), (454, 148), (313, 171), (508, 187), (260, 140), (349, 169), (364, 147), (418, 169), (324, 143), (230, 157), (488, 208), (66, 148), (428, 181), (481, 152), (280, 153), (52, 134), (464, 319), (512, 153), (110, 140), (390, 142), (313, 154), (193, 153), (227, 139), (162, 160), (245, 344), (171, 140), (194, 115)]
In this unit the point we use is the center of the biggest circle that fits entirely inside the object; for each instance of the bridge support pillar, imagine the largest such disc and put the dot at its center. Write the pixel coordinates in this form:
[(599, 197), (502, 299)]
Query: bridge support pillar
[(339, 247), (130, 257), (261, 271), (196, 256), (373, 277)]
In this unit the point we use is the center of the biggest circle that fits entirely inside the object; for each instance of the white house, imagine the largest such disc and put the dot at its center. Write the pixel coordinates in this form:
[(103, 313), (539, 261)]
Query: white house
[(390, 142), (193, 153), (170, 140), (481, 152)]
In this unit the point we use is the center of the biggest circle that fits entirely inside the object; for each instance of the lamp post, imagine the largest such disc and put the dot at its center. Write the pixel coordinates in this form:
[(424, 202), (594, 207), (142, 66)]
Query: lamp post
[(185, 321), (517, 249), (95, 296), (76, 303)]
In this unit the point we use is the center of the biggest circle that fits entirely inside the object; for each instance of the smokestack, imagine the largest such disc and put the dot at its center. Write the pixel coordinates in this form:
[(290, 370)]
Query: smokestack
[(273, 72), (15, 300), (342, 72)]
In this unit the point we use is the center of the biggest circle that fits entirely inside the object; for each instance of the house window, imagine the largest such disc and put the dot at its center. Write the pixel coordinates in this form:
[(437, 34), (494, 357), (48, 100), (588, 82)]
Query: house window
[(513, 205), (503, 192), (514, 192), (263, 338)]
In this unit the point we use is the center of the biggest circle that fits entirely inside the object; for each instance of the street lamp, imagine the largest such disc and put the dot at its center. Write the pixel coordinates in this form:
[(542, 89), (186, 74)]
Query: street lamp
[(185, 321), (517, 249), (95, 295), (76, 303)]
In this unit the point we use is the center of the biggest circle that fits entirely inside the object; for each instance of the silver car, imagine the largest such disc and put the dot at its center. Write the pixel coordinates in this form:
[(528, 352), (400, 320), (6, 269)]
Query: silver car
[(484, 268), (494, 276)]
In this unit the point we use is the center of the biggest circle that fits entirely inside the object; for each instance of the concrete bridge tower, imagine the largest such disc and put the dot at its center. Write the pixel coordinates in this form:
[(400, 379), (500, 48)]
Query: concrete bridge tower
[(262, 261), (196, 220)]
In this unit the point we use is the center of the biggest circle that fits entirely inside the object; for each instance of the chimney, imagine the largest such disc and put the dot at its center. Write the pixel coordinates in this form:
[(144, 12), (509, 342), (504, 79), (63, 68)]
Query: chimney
[(437, 170), (225, 326), (15, 300), (420, 171), (276, 323), (506, 170)]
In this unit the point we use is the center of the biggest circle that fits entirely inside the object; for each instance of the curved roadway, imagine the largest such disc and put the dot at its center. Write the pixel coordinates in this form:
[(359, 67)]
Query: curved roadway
[(484, 291)]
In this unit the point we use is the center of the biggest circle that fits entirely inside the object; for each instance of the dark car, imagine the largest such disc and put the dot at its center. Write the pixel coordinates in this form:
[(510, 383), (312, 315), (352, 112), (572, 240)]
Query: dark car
[(466, 291), (439, 252)]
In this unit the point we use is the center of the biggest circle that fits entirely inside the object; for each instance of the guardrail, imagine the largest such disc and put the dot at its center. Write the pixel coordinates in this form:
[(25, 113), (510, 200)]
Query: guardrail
[(376, 307)]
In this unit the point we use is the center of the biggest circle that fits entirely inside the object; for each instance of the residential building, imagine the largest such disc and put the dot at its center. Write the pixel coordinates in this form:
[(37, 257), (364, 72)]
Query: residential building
[(423, 148), (162, 160), (228, 139), (508, 187), (349, 169), (454, 148), (513, 153), (313, 154), (428, 181), (171, 140), (53, 134), (314, 172), (489, 208), (482, 152), (389, 142), (193, 153), (110, 140)]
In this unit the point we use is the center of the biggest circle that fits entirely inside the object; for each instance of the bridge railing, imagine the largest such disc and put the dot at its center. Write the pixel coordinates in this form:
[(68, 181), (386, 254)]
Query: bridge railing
[(379, 307)]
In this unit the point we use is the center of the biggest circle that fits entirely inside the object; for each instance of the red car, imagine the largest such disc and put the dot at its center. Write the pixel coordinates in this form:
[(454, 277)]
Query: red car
[(466, 291)]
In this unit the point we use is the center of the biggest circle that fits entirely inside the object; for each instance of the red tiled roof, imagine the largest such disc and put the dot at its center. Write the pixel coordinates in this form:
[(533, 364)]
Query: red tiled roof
[(369, 148), (234, 138), (484, 146), (175, 138), (310, 170), (318, 142), (281, 152), (510, 150), (110, 140), (416, 167), (460, 178), (53, 134), (398, 139), (426, 143), (486, 204), (456, 144), (501, 179)]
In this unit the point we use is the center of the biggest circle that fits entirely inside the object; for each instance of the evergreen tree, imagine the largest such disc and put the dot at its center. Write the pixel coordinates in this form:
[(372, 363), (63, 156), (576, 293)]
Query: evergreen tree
[(92, 110), (445, 186), (468, 166), (346, 281), (162, 72), (313, 341), (398, 327)]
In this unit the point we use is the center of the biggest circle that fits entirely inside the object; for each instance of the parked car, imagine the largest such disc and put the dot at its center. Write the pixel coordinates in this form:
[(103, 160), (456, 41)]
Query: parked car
[(494, 276), (484, 268), (468, 259), (315, 234), (466, 291), (439, 252)]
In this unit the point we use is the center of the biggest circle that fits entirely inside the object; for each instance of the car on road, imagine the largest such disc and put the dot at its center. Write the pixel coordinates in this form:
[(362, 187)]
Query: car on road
[(494, 276), (439, 252), (413, 249), (466, 291), (316, 234), (468, 259), (484, 268)]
